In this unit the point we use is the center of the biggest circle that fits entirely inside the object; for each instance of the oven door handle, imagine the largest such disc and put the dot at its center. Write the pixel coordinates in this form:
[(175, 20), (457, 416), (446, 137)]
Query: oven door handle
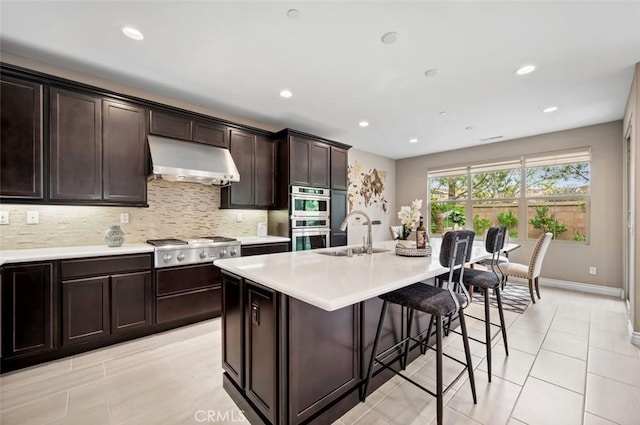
[(310, 232), (311, 197)]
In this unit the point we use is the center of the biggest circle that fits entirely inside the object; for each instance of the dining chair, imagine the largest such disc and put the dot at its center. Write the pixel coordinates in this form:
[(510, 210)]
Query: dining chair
[(530, 271), (455, 250), (487, 280)]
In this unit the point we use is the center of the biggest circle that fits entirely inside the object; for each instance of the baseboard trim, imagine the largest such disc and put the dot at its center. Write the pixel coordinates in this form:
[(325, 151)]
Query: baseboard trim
[(634, 337), (581, 287)]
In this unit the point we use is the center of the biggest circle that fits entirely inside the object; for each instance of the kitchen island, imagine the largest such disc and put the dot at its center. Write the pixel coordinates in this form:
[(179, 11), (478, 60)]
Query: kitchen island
[(298, 327)]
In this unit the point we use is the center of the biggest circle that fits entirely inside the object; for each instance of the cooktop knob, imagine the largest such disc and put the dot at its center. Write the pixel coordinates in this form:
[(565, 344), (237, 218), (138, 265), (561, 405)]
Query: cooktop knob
[(223, 252), (180, 257), (203, 255), (166, 258), (234, 252)]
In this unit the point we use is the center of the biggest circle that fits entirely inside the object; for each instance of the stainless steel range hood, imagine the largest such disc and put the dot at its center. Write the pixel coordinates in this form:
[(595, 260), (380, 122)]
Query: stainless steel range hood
[(177, 160)]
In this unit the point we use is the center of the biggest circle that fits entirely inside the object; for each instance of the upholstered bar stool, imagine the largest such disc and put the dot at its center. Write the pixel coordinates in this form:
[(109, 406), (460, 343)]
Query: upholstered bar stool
[(439, 302), (488, 280)]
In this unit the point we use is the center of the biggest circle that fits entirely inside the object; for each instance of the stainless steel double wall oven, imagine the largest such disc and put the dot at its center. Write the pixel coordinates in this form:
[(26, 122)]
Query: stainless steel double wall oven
[(310, 225)]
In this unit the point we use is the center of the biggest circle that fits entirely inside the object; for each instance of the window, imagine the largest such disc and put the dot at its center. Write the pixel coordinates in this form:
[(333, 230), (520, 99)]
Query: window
[(529, 195)]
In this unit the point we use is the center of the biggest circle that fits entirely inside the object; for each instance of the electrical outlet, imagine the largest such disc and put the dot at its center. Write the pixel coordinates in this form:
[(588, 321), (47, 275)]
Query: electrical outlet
[(33, 217), (124, 217), (239, 217), (4, 217), (592, 270)]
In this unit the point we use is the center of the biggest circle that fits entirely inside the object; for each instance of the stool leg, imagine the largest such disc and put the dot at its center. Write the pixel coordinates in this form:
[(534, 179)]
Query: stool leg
[(467, 354), (407, 344), (423, 348), (487, 330), (363, 395), (503, 328), (439, 379)]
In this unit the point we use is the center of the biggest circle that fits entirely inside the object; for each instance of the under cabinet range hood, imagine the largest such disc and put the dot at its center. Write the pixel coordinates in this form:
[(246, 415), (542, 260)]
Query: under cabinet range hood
[(177, 160)]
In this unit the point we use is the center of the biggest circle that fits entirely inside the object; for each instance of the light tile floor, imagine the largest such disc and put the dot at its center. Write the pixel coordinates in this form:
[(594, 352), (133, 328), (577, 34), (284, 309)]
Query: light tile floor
[(570, 362)]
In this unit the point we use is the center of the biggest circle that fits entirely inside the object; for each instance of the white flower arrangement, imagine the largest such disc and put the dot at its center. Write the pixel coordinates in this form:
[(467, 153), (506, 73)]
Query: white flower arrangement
[(409, 217)]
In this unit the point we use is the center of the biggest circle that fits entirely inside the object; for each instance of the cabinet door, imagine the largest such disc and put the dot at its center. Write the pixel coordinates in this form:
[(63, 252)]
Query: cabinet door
[(233, 328), (339, 165), (320, 160), (123, 144), (169, 125), (20, 139), (29, 310), (75, 146), (131, 301), (265, 163), (338, 213), (333, 347), (85, 310), (210, 133), (300, 161), (242, 150), (261, 383)]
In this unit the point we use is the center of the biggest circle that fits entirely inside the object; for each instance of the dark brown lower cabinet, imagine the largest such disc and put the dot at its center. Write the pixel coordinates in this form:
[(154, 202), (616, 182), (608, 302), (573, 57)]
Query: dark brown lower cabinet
[(233, 328), (29, 310), (324, 358), (85, 310), (189, 293), (261, 381), (131, 301)]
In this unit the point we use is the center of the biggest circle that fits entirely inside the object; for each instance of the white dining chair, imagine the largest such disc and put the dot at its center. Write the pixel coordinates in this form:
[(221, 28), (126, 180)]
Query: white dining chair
[(531, 272)]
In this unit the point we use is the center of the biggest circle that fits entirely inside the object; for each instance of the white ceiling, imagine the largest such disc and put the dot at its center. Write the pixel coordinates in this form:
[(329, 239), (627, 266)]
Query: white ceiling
[(237, 56)]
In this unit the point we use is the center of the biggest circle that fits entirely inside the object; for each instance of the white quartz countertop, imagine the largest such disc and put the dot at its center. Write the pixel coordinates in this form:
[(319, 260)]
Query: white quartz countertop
[(331, 282), (255, 240), (41, 254)]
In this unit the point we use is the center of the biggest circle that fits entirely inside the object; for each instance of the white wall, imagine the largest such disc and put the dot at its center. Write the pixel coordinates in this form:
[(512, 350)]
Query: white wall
[(564, 260), (372, 188)]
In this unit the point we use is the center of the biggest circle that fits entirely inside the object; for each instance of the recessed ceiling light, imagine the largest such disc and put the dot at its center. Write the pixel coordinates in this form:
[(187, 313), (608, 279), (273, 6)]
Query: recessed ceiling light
[(550, 109), (390, 37), (293, 13), (132, 33), (468, 128), (442, 113), (363, 123), (527, 69), (413, 140), (431, 72), (286, 94)]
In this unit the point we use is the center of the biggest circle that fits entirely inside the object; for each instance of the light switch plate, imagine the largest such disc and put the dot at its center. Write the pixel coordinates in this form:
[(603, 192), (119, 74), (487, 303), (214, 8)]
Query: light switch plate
[(4, 217), (124, 217), (33, 217)]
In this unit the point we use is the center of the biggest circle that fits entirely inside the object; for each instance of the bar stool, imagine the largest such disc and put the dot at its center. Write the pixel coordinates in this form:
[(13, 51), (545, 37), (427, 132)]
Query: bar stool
[(454, 252), (487, 280)]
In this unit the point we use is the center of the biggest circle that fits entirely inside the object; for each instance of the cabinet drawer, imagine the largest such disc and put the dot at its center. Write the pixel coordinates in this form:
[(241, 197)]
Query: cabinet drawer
[(170, 281), (269, 248), (104, 265), (187, 305)]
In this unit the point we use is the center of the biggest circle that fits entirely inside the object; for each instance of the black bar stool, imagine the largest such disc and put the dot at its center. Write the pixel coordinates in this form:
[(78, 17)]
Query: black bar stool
[(487, 280), (440, 303)]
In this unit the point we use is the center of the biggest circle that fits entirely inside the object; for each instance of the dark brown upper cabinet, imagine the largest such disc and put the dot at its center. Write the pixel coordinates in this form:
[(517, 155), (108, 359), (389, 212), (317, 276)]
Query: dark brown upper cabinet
[(123, 152), (75, 146), (97, 149), (21, 140), (254, 157), (189, 128), (339, 165), (309, 162)]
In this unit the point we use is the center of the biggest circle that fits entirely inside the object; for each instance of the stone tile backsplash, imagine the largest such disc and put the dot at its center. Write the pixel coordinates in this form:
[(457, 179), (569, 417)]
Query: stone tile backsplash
[(182, 210)]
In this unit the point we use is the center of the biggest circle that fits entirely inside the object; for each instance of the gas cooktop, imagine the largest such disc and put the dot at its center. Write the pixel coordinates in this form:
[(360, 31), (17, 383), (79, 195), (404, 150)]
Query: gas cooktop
[(171, 252)]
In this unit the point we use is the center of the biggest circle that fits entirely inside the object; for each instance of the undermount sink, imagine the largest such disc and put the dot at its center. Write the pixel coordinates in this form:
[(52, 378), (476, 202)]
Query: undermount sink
[(356, 251)]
